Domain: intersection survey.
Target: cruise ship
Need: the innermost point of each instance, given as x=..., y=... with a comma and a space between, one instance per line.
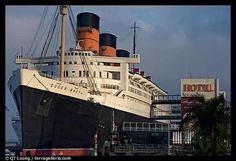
x=65, y=100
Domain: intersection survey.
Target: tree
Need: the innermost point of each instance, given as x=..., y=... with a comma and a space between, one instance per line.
x=210, y=120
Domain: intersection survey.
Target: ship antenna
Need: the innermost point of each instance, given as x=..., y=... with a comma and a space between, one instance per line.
x=63, y=12
x=134, y=42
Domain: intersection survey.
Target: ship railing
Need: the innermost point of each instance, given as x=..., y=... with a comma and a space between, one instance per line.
x=48, y=75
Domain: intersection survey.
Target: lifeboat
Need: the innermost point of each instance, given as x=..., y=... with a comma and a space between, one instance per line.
x=137, y=77
x=143, y=81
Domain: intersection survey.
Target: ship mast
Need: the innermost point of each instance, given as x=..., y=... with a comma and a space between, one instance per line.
x=63, y=12
x=134, y=42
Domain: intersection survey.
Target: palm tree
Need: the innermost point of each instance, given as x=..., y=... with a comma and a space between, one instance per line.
x=210, y=119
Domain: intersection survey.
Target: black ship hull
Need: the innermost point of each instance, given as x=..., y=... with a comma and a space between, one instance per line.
x=51, y=120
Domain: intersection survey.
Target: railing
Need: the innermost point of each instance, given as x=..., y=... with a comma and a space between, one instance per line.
x=181, y=150
x=149, y=127
x=166, y=117
x=166, y=99
x=140, y=148
x=48, y=76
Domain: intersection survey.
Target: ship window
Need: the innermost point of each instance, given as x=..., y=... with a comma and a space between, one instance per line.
x=87, y=73
x=75, y=62
x=72, y=54
x=79, y=54
x=68, y=54
x=80, y=73
x=85, y=54
x=76, y=53
x=88, y=54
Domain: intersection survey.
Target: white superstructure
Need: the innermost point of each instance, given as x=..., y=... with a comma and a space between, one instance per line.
x=101, y=79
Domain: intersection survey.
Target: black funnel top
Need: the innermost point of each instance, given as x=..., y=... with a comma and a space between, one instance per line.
x=122, y=53
x=87, y=19
x=106, y=39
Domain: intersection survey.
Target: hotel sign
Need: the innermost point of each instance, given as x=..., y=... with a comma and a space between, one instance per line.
x=209, y=88
x=198, y=87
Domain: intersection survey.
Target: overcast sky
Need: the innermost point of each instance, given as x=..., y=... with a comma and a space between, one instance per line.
x=174, y=41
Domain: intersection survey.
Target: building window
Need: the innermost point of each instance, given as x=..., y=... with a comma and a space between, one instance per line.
x=58, y=63
x=72, y=54
x=75, y=62
x=79, y=54
x=65, y=62
x=88, y=54
x=68, y=54
x=76, y=53
x=82, y=54
x=65, y=54
x=82, y=62
x=91, y=63
x=94, y=74
x=73, y=71
x=83, y=73
x=85, y=54
x=70, y=62
x=98, y=63
x=51, y=72
x=80, y=73
x=107, y=75
x=100, y=74
x=67, y=73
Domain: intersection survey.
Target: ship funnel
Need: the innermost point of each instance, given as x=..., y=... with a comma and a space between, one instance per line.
x=122, y=53
x=88, y=31
x=107, y=45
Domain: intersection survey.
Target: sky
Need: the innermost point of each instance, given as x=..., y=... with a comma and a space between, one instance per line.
x=174, y=42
